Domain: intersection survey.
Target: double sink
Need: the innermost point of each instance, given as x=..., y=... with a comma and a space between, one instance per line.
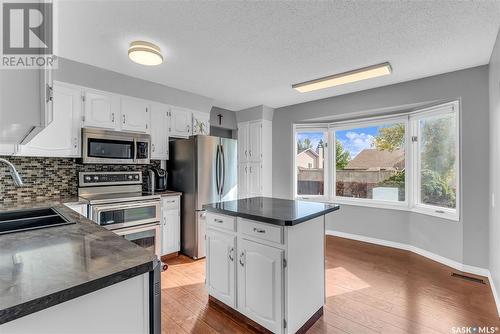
x=31, y=219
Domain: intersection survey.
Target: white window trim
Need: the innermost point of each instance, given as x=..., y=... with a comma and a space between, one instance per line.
x=412, y=189
x=311, y=128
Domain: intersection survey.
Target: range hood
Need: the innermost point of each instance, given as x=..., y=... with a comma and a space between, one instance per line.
x=25, y=104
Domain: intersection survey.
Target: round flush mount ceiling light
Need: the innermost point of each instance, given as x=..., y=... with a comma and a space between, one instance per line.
x=145, y=53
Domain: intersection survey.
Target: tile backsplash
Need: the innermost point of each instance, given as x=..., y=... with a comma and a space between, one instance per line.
x=50, y=178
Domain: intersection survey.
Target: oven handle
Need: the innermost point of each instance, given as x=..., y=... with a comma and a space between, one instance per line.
x=135, y=229
x=126, y=205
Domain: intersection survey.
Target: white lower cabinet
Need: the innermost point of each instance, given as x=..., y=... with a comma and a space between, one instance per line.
x=170, y=225
x=260, y=283
x=220, y=272
x=272, y=274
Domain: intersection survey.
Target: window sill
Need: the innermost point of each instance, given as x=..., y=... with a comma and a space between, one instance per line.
x=429, y=211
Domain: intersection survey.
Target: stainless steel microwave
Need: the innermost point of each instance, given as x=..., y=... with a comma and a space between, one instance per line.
x=115, y=147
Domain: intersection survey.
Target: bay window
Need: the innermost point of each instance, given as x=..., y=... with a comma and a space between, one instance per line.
x=403, y=162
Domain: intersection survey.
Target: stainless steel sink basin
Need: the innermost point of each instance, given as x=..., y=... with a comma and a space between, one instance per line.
x=30, y=219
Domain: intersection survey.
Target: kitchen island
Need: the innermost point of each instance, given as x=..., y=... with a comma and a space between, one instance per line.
x=266, y=261
x=78, y=277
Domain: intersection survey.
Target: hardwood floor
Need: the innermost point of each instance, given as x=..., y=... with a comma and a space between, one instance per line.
x=370, y=289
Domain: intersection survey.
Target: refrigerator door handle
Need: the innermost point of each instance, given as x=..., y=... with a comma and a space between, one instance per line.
x=223, y=170
x=217, y=181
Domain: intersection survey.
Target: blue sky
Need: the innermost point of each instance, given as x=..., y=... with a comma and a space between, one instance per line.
x=353, y=140
x=356, y=140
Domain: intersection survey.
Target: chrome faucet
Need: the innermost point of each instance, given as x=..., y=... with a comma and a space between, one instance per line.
x=13, y=173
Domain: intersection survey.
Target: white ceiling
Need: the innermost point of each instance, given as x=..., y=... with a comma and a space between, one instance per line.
x=243, y=54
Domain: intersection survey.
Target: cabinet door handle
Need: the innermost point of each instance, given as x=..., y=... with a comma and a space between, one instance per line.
x=153, y=147
x=259, y=230
x=241, y=259
x=113, y=117
x=231, y=252
x=250, y=152
x=187, y=127
x=246, y=170
x=246, y=153
x=123, y=119
x=75, y=142
x=250, y=169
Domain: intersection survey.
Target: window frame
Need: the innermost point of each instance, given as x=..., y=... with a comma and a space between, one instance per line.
x=417, y=205
x=412, y=162
x=364, y=123
x=298, y=128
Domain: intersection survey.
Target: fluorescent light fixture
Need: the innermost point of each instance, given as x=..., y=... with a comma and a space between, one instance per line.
x=343, y=78
x=145, y=53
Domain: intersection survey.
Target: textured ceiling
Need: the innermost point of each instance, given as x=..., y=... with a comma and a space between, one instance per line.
x=243, y=54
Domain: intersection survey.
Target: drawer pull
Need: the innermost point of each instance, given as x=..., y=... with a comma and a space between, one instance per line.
x=220, y=221
x=258, y=230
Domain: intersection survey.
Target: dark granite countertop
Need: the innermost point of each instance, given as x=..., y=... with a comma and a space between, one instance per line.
x=42, y=268
x=275, y=211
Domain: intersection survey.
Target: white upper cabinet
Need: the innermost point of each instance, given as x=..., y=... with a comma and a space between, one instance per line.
x=255, y=153
x=134, y=115
x=160, y=123
x=220, y=270
x=61, y=138
x=243, y=130
x=201, y=123
x=260, y=283
x=102, y=109
x=180, y=122
x=255, y=141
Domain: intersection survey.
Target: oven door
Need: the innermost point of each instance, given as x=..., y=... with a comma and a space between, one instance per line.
x=145, y=236
x=115, y=216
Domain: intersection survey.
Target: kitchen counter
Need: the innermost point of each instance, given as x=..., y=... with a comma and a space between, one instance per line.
x=45, y=267
x=275, y=211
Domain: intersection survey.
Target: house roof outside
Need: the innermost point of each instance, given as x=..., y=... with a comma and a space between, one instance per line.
x=373, y=159
x=309, y=150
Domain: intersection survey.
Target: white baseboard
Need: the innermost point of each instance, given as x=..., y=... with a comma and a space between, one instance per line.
x=494, y=290
x=435, y=257
x=438, y=258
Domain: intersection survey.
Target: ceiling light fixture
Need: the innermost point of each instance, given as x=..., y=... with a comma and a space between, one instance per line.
x=343, y=78
x=145, y=53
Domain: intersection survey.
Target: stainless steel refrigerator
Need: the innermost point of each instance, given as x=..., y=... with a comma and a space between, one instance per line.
x=205, y=170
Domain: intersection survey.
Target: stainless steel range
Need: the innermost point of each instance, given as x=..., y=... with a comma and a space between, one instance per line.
x=116, y=202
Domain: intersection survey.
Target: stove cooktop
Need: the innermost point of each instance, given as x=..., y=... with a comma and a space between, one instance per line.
x=119, y=197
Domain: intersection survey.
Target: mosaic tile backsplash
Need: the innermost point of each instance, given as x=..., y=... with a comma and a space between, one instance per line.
x=50, y=178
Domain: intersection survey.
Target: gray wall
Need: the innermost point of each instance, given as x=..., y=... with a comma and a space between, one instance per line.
x=494, y=77
x=255, y=113
x=464, y=241
x=228, y=119
x=98, y=78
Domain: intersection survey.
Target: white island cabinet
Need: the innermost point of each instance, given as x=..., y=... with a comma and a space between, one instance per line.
x=273, y=272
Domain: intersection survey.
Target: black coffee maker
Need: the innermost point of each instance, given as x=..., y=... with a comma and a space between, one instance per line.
x=158, y=178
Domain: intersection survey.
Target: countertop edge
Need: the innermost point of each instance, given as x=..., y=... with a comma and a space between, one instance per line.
x=271, y=220
x=18, y=311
